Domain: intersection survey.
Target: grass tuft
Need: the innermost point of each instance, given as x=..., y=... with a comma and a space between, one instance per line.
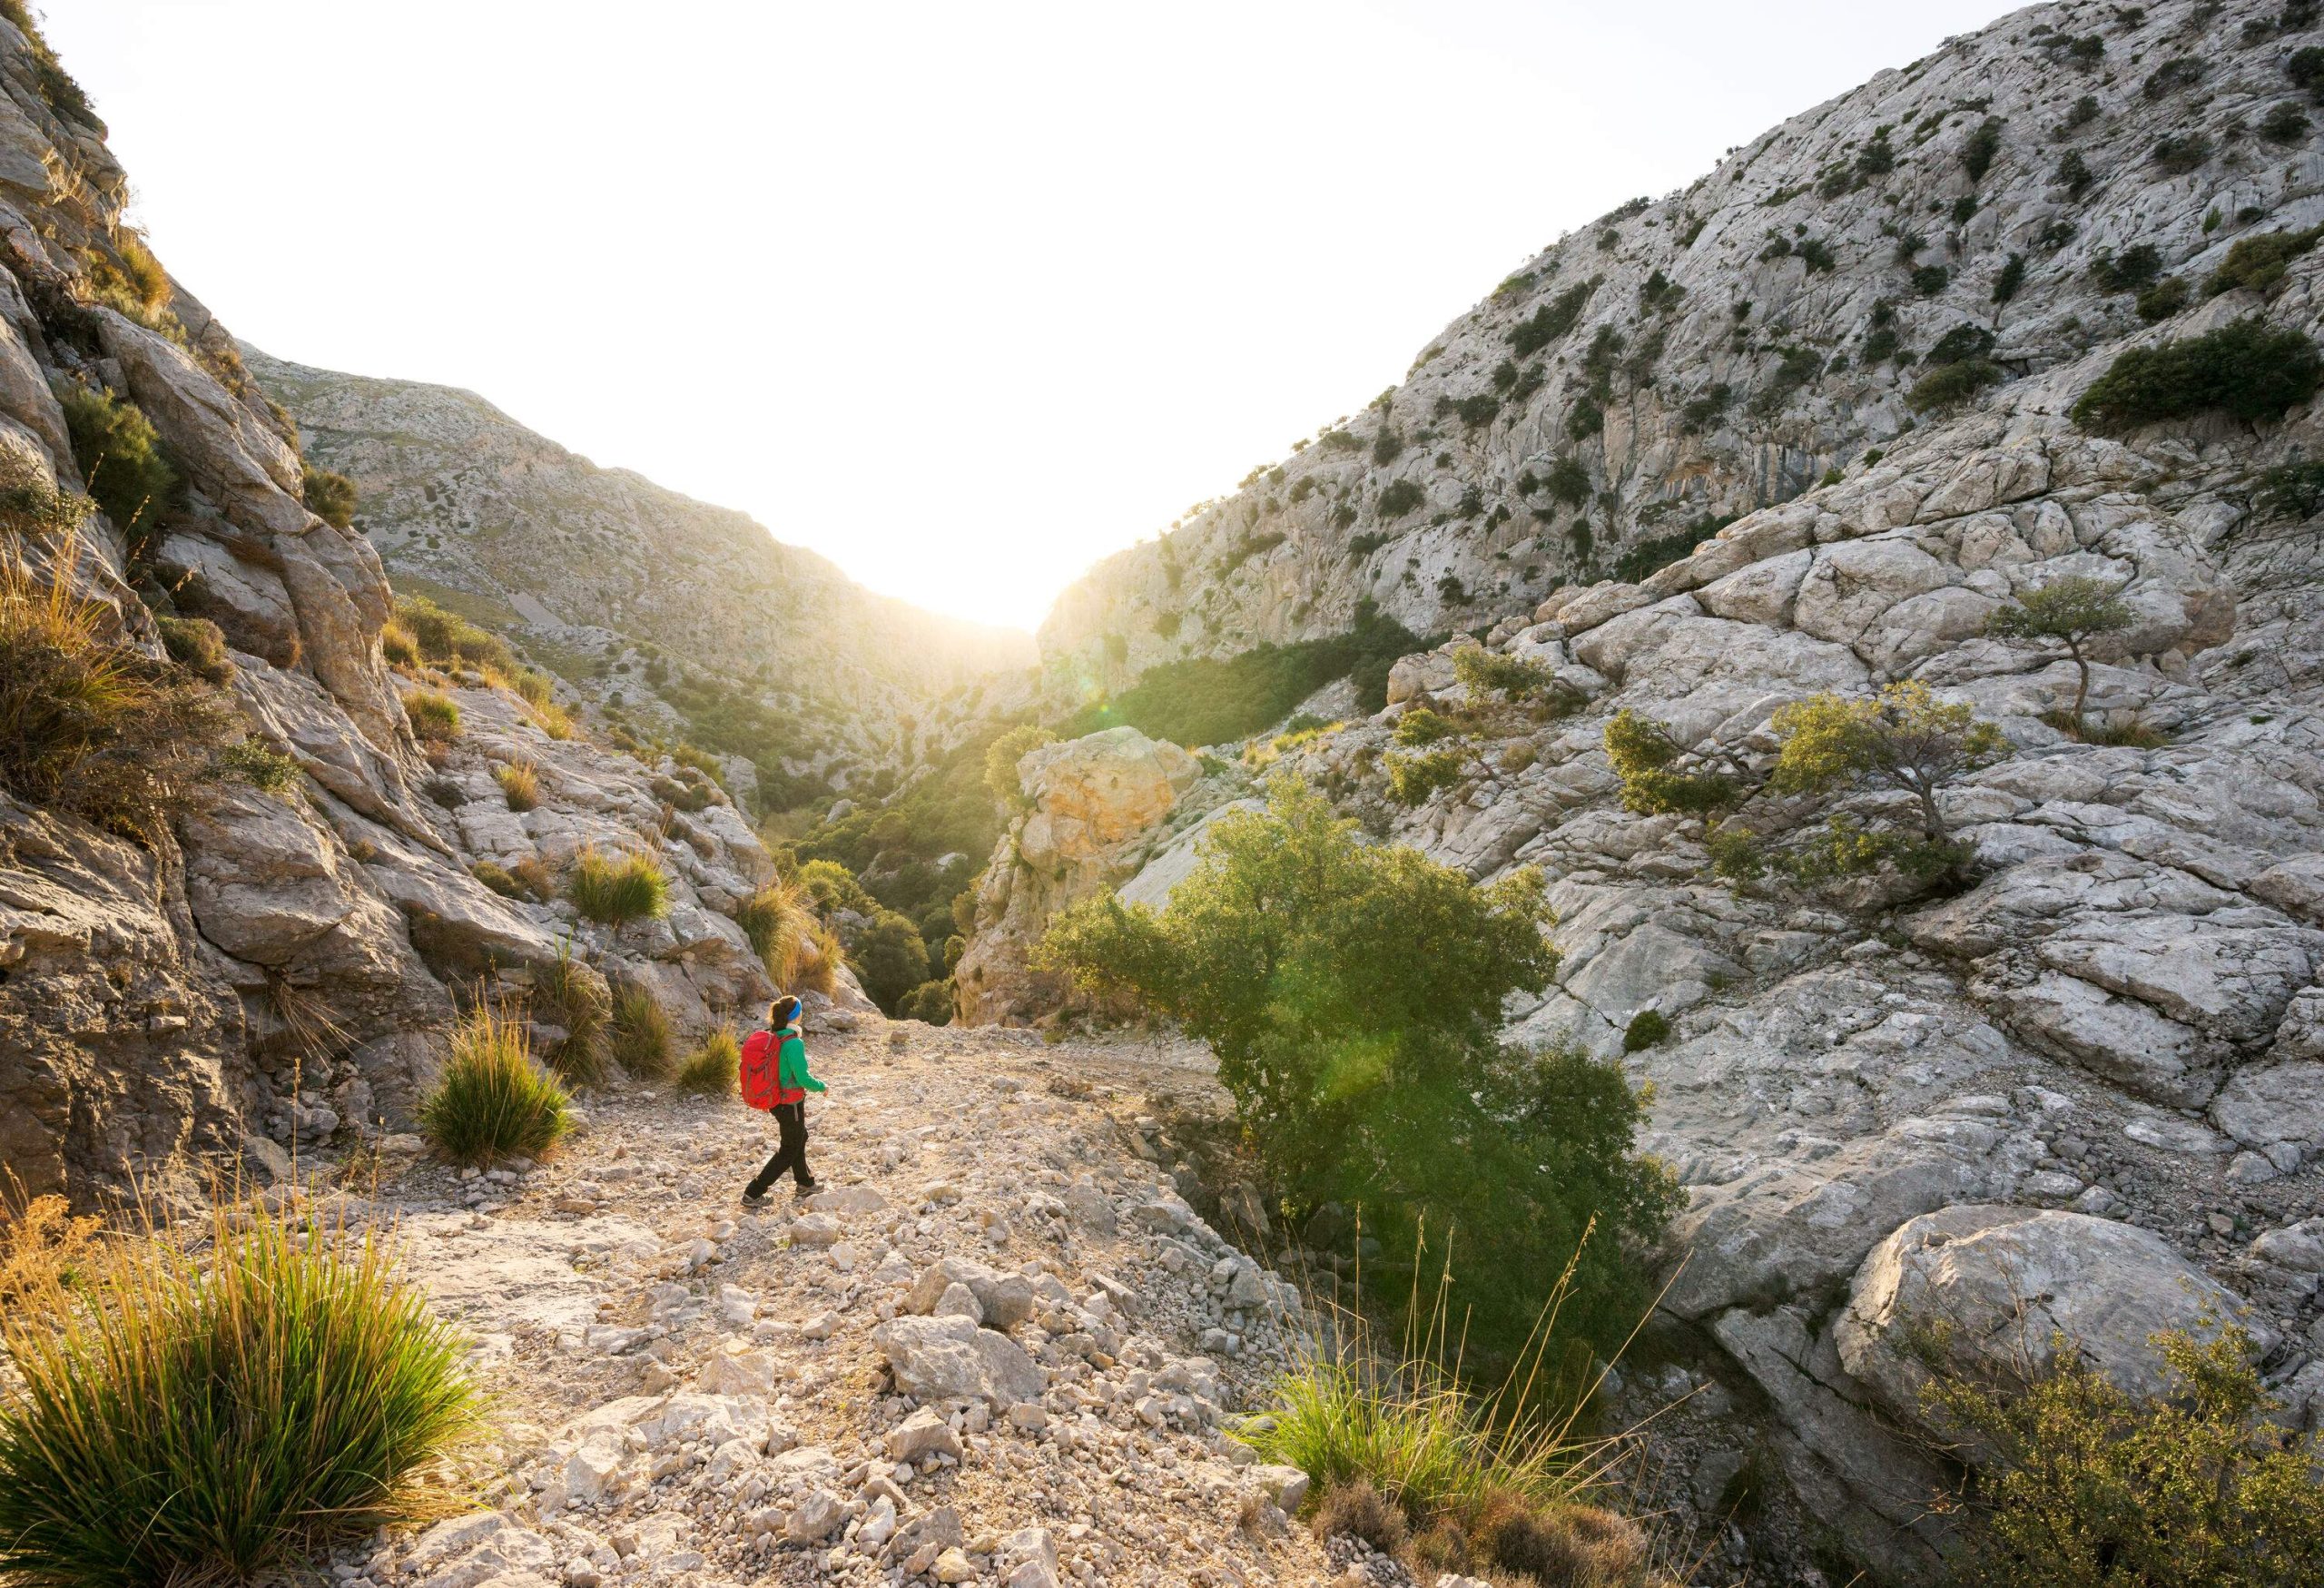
x=520, y=784
x=616, y=889
x=493, y=1101
x=711, y=1070
x=781, y=925
x=206, y=1407
x=571, y=995
x=435, y=717
x=641, y=1034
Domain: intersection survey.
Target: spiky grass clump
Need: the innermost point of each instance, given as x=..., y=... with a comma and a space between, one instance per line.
x=89, y=723
x=617, y=888
x=641, y=1034
x=709, y=1070
x=827, y=955
x=520, y=784
x=399, y=647
x=42, y=1245
x=493, y=1101
x=435, y=715
x=781, y=928
x=574, y=997
x=1497, y=1482
x=192, y=1411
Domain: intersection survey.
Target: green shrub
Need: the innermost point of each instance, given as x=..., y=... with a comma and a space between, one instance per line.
x=330, y=496
x=497, y=877
x=1961, y=343
x=1928, y=280
x=1552, y=320
x=198, y=645
x=1419, y=727
x=2179, y=72
x=210, y=1406
x=2081, y=1482
x=1400, y=498
x=1353, y=1061
x=2166, y=298
x=265, y=769
x=1000, y=758
x=930, y=1001
x=2285, y=123
x=889, y=958
x=2177, y=154
x=2305, y=68
x=2260, y=262
x=712, y=1069
x=2292, y=490
x=2132, y=269
x=2011, y=278
x=121, y=457
x=1644, y=753
x=434, y=716
x=90, y=725
x=1412, y=779
x=1702, y=409
x=1656, y=552
x=2249, y=368
x=1951, y=384
x=1646, y=1027
x=615, y=890
x=641, y=1041
x=1514, y=678
x=1977, y=154
x=2075, y=174
x=492, y=1101
x=2073, y=610
x=1359, y=546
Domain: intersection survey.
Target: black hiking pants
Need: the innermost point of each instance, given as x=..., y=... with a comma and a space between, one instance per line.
x=790, y=1121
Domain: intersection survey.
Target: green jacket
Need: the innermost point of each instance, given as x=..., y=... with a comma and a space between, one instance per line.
x=791, y=1064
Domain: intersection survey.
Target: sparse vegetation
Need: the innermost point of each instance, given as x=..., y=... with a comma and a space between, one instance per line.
x=1977, y=154
x=1514, y=678
x=209, y=1406
x=617, y=888
x=1646, y=1027
x=1401, y=497
x=1552, y=320
x=88, y=724
x=1661, y=778
x=2166, y=298
x=492, y=1101
x=1000, y=758
x=1950, y=385
x=2177, y=154
x=2073, y=172
x=1412, y=779
x=2249, y=368
x=265, y=769
x=2081, y=1482
x=712, y=1069
x=1659, y=551
x=2292, y=490
x=198, y=645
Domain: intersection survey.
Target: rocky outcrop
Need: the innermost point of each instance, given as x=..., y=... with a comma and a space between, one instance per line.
x=1092, y=806
x=281, y=965
x=642, y=598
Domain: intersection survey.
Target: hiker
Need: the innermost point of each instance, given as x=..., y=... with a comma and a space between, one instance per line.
x=775, y=1076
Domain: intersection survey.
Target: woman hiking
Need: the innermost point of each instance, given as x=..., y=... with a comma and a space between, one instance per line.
x=775, y=1076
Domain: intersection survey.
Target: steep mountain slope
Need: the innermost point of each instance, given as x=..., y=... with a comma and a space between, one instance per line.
x=271, y=948
x=682, y=616
x=2071, y=1086
x=1686, y=359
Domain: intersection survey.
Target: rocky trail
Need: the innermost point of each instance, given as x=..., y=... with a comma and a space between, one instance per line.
x=997, y=1347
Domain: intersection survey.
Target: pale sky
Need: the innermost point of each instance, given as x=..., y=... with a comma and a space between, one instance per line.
x=963, y=296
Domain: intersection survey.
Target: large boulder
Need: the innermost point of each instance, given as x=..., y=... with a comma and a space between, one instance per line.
x=1991, y=1294
x=1094, y=804
x=940, y=1358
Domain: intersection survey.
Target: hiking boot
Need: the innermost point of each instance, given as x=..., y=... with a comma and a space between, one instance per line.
x=807, y=1191
x=754, y=1200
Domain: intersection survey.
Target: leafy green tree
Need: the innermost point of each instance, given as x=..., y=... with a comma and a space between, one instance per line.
x=891, y=958
x=2082, y=1485
x=1000, y=758
x=1648, y=761
x=2073, y=610
x=1353, y=993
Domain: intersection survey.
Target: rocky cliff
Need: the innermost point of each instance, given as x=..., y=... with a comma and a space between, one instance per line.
x=2083, y=1075
x=276, y=958
x=2007, y=202
x=686, y=618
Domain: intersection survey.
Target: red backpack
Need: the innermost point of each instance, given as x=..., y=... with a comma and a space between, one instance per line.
x=762, y=1069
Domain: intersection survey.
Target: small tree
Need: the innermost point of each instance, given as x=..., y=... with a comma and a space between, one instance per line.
x=1835, y=750
x=2074, y=611
x=1645, y=756
x=1353, y=994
